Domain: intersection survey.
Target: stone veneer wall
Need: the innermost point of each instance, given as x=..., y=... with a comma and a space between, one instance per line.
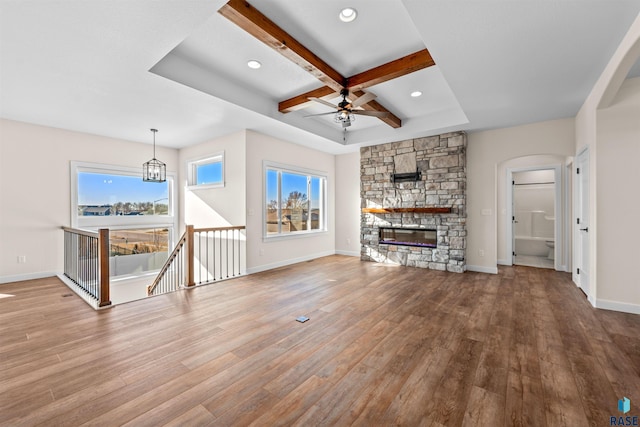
x=442, y=162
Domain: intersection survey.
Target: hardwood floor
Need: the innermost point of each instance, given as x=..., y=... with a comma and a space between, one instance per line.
x=384, y=346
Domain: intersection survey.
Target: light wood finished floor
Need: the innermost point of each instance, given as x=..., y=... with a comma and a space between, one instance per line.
x=384, y=346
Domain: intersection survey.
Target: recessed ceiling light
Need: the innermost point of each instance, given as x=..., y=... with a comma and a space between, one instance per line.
x=254, y=64
x=416, y=94
x=348, y=14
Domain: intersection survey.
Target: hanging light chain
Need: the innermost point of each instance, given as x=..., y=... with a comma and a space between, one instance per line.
x=154, y=142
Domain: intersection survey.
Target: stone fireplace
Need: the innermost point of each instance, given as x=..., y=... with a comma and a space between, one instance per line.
x=413, y=202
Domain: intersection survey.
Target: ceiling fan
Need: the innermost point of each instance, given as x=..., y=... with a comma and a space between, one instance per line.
x=346, y=109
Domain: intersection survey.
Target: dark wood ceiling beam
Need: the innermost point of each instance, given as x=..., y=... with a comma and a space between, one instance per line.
x=391, y=70
x=255, y=23
x=258, y=25
x=385, y=72
x=390, y=119
x=302, y=101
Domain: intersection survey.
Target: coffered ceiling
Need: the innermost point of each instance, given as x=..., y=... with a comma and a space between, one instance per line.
x=120, y=68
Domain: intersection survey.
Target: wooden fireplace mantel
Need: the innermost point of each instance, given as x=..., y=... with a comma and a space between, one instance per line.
x=407, y=210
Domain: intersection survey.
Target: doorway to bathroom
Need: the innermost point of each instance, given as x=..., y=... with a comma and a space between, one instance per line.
x=534, y=223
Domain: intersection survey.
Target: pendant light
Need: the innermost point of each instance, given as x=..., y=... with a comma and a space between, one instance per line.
x=154, y=170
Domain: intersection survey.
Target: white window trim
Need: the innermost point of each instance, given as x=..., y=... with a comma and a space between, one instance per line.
x=191, y=171
x=121, y=222
x=267, y=164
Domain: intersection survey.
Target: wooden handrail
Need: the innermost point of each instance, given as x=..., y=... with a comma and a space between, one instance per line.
x=81, y=232
x=234, y=227
x=167, y=263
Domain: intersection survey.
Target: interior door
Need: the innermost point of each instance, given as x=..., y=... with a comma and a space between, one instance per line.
x=582, y=225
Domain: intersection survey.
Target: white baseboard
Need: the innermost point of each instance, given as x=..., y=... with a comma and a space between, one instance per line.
x=347, y=253
x=481, y=269
x=28, y=276
x=505, y=262
x=265, y=267
x=617, y=306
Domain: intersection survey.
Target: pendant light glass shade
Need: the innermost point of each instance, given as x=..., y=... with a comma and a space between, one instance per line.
x=154, y=170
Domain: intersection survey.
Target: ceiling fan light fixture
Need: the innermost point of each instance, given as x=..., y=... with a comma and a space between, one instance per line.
x=416, y=94
x=348, y=14
x=344, y=117
x=253, y=64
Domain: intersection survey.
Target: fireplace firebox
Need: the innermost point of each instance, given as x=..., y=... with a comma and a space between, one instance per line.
x=421, y=237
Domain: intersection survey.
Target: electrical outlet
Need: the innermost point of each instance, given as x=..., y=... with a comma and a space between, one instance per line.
x=261, y=252
x=348, y=241
x=481, y=252
x=22, y=259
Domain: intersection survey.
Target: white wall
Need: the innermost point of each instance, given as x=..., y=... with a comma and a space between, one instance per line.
x=263, y=255
x=485, y=151
x=348, y=204
x=618, y=207
x=601, y=97
x=35, y=193
x=216, y=207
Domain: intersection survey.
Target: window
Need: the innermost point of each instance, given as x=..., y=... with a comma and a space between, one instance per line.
x=295, y=201
x=139, y=215
x=207, y=172
x=102, y=193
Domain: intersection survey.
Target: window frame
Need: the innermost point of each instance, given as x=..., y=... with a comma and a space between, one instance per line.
x=310, y=173
x=169, y=221
x=192, y=170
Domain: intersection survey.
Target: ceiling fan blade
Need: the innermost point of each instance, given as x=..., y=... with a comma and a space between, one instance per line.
x=320, y=114
x=363, y=99
x=323, y=102
x=371, y=113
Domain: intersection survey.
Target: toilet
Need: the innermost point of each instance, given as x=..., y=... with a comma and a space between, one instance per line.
x=551, y=245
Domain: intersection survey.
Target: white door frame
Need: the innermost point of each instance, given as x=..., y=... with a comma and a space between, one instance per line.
x=578, y=236
x=558, y=207
x=569, y=191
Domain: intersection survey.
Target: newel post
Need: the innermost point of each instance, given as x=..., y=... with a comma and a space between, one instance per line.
x=189, y=257
x=103, y=259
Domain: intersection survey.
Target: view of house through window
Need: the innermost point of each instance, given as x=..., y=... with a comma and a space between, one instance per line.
x=138, y=214
x=107, y=194
x=295, y=201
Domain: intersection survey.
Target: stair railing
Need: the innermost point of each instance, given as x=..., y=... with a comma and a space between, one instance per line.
x=173, y=273
x=212, y=253
x=86, y=262
x=218, y=252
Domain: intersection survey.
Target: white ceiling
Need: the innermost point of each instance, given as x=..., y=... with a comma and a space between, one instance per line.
x=119, y=68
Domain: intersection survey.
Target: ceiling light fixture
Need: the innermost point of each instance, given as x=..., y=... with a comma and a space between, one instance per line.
x=348, y=14
x=416, y=94
x=253, y=64
x=154, y=170
x=344, y=117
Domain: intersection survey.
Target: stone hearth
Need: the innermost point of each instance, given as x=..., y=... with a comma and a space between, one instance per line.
x=441, y=172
